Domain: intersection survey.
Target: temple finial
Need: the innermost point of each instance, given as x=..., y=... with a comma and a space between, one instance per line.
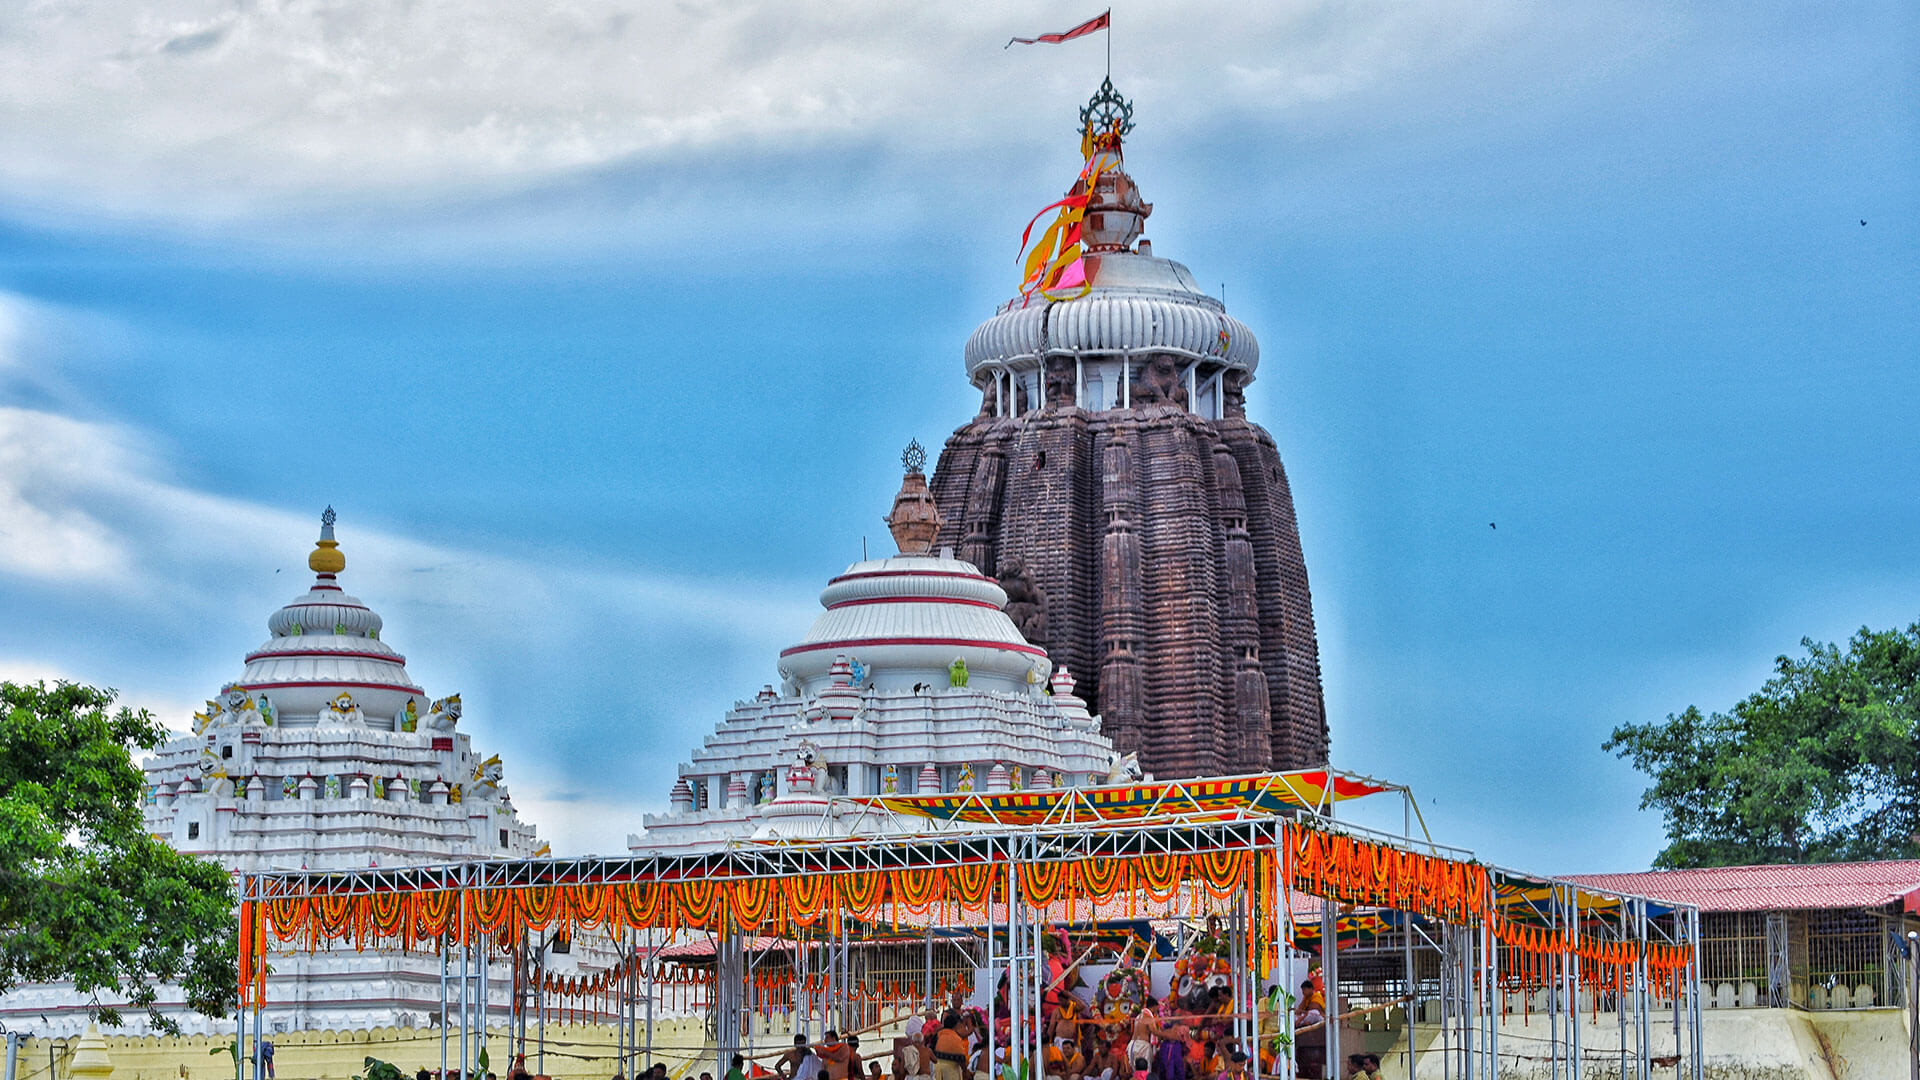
x=1106, y=115
x=326, y=557
x=915, y=521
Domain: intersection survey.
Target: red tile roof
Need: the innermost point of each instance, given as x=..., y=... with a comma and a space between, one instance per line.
x=1772, y=888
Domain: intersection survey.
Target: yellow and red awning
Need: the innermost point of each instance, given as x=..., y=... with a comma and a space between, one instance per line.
x=1235, y=796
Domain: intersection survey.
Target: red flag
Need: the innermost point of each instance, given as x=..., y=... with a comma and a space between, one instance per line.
x=1102, y=21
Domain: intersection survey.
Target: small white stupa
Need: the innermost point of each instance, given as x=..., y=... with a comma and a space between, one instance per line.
x=913, y=680
x=324, y=754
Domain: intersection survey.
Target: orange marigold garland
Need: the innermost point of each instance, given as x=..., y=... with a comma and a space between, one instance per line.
x=1224, y=872
x=388, y=913
x=752, y=899
x=1040, y=882
x=1102, y=878
x=860, y=893
x=287, y=915
x=919, y=888
x=589, y=905
x=1350, y=870
x=1159, y=875
x=972, y=883
x=698, y=902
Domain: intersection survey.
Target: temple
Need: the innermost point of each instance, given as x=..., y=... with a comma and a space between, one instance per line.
x=1141, y=525
x=914, y=679
x=323, y=754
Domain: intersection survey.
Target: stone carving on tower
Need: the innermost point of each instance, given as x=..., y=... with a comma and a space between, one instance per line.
x=1141, y=525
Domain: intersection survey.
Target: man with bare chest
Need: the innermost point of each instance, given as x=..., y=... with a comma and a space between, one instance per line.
x=1146, y=1029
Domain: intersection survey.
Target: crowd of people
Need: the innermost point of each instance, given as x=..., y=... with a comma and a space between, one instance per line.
x=1116, y=1030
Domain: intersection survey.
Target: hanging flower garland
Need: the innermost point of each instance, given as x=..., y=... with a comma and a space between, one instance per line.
x=1347, y=869
x=699, y=902
x=1159, y=875
x=919, y=888
x=589, y=905
x=1040, y=882
x=750, y=902
x=1101, y=879
x=807, y=896
x=972, y=883
x=1224, y=872
x=860, y=893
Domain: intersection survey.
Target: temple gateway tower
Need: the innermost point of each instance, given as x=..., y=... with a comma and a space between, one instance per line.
x=1142, y=528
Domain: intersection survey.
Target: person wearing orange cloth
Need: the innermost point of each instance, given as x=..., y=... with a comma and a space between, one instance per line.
x=951, y=1047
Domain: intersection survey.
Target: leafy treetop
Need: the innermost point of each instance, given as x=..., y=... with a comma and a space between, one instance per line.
x=85, y=893
x=1821, y=764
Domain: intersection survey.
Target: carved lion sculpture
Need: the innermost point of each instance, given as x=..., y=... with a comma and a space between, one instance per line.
x=342, y=711
x=444, y=714
x=213, y=775
x=1125, y=769
x=489, y=772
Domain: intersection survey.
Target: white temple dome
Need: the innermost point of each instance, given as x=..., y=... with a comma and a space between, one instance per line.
x=327, y=643
x=906, y=619
x=1138, y=304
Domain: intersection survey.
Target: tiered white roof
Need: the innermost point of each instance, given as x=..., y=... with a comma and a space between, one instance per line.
x=912, y=679
x=324, y=754
x=1136, y=304
x=908, y=618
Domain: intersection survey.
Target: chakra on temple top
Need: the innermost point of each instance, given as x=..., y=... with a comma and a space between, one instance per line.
x=327, y=516
x=1106, y=112
x=914, y=457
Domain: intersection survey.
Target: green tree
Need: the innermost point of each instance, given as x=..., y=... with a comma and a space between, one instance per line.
x=1821, y=764
x=85, y=893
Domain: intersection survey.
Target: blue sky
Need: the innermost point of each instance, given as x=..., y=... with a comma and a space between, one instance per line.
x=602, y=327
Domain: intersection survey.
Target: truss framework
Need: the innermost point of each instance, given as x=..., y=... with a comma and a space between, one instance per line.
x=1010, y=930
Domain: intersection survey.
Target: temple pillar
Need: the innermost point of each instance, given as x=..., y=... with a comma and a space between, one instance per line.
x=1121, y=618
x=1240, y=625
x=983, y=504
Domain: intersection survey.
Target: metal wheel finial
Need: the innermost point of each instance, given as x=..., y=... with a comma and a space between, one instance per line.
x=1106, y=112
x=914, y=457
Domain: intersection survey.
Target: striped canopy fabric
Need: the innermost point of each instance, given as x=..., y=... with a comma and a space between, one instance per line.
x=1228, y=797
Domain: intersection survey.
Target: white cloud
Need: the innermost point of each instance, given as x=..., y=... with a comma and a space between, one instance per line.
x=201, y=108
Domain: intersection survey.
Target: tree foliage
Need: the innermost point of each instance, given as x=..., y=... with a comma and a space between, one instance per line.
x=1821, y=764
x=85, y=893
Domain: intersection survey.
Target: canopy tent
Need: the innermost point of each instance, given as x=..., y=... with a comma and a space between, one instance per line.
x=1016, y=864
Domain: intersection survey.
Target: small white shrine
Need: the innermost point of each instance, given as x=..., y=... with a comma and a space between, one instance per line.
x=912, y=680
x=323, y=754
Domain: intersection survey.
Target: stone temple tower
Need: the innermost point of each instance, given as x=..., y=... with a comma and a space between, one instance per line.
x=1141, y=526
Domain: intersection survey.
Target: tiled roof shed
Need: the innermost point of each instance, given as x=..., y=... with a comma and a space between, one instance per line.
x=1777, y=887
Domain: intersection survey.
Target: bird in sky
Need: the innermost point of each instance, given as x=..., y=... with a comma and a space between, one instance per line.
x=1491, y=525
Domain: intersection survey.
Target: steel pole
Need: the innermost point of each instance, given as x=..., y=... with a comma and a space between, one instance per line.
x=443, y=1006
x=485, y=1003
x=652, y=952
x=1570, y=907
x=1330, y=974
x=993, y=986
x=1912, y=989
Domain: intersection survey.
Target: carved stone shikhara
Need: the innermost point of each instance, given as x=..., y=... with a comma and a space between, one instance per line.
x=1141, y=526
x=1162, y=551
